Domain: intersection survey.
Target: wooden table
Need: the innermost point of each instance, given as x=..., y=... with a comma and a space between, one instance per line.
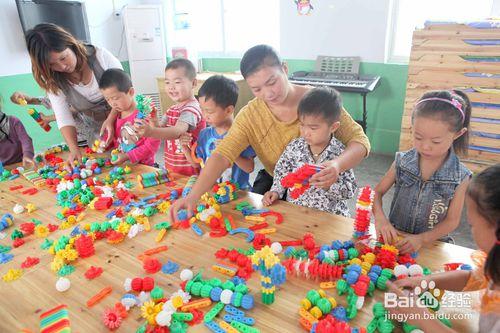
x=23, y=300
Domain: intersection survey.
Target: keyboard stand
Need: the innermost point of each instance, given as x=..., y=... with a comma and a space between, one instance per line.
x=362, y=122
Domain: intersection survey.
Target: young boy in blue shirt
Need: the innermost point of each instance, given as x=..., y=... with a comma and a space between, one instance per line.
x=217, y=97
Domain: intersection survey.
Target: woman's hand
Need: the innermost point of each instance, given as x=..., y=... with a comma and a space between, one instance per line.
x=269, y=198
x=73, y=155
x=326, y=177
x=188, y=203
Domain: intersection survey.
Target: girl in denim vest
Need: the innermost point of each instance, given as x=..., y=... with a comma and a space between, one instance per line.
x=429, y=180
x=483, y=214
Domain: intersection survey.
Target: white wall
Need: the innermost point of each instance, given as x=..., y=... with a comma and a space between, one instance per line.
x=335, y=28
x=106, y=30
x=495, y=10
x=14, y=58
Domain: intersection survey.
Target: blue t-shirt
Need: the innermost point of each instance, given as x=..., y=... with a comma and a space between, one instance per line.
x=206, y=144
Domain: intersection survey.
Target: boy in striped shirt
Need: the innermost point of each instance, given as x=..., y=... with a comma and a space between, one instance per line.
x=182, y=117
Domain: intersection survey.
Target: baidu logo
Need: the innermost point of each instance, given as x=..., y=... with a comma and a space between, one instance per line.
x=426, y=297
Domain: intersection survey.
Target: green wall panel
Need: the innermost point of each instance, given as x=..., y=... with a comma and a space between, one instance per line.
x=385, y=104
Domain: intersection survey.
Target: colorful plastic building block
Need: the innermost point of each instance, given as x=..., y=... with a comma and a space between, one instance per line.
x=36, y=116
x=99, y=296
x=363, y=212
x=55, y=320
x=225, y=192
x=272, y=272
x=6, y=221
x=298, y=181
x=153, y=178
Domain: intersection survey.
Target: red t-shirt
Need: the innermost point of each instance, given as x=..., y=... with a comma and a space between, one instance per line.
x=175, y=160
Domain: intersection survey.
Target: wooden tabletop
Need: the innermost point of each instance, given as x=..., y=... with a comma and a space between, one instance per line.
x=22, y=301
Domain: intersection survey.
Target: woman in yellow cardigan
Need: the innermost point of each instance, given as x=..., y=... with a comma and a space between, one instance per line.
x=268, y=123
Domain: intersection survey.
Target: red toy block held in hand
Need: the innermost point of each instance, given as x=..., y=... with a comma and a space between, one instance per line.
x=298, y=181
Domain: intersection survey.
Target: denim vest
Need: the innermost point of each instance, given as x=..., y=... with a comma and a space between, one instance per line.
x=417, y=205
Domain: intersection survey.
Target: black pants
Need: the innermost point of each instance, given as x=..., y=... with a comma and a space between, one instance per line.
x=262, y=183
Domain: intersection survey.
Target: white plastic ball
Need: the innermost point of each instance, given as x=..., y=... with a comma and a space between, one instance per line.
x=225, y=296
x=18, y=209
x=163, y=318
x=63, y=284
x=416, y=270
x=276, y=248
x=186, y=274
x=400, y=270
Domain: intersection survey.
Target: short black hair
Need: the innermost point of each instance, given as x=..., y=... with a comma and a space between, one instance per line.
x=115, y=77
x=323, y=101
x=188, y=66
x=257, y=57
x=222, y=90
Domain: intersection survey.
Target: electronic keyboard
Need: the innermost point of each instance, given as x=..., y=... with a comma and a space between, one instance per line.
x=339, y=81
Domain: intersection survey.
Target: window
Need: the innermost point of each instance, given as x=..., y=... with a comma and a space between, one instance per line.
x=410, y=14
x=227, y=28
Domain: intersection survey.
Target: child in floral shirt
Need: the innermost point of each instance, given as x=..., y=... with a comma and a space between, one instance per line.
x=319, y=113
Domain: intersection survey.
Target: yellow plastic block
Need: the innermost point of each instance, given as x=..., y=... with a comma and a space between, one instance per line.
x=266, y=231
x=30, y=207
x=160, y=235
x=224, y=270
x=327, y=285
x=177, y=301
x=254, y=218
x=228, y=328
x=12, y=274
x=305, y=303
